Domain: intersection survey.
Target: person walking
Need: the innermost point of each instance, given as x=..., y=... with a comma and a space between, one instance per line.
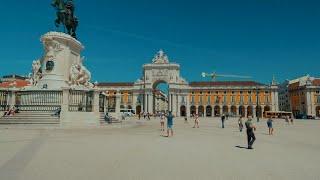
x=169, y=124
x=287, y=120
x=162, y=122
x=270, y=126
x=240, y=123
x=148, y=116
x=291, y=120
x=196, y=121
x=186, y=120
x=223, y=118
x=250, y=132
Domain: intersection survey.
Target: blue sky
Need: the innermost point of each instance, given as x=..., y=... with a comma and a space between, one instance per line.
x=259, y=38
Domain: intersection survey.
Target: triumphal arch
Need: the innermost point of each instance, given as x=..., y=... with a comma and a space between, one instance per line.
x=161, y=70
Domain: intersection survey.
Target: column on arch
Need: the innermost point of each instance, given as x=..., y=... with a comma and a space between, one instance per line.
x=174, y=104
x=187, y=98
x=179, y=104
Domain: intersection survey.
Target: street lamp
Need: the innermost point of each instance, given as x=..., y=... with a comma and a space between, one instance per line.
x=258, y=110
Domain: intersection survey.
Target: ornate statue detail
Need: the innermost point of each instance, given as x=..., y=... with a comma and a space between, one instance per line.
x=160, y=58
x=65, y=16
x=36, y=72
x=49, y=65
x=79, y=75
x=52, y=48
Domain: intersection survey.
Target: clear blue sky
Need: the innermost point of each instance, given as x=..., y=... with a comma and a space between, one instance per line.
x=258, y=38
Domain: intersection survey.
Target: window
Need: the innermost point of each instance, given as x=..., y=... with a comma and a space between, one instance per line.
x=208, y=99
x=267, y=99
x=192, y=99
x=224, y=99
x=318, y=99
x=241, y=99
x=182, y=100
x=122, y=99
x=250, y=99
x=232, y=99
x=216, y=99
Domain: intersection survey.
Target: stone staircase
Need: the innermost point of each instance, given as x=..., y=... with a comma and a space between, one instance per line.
x=113, y=120
x=30, y=117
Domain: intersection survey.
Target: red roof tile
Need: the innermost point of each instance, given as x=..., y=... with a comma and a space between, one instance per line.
x=225, y=83
x=18, y=84
x=115, y=84
x=316, y=82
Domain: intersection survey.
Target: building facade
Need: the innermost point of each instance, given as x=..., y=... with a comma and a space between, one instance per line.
x=238, y=98
x=284, y=101
x=304, y=96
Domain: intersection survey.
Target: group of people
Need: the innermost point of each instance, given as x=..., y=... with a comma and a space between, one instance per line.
x=248, y=124
x=11, y=111
x=145, y=115
x=169, y=118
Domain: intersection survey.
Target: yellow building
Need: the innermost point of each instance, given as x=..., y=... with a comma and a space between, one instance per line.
x=304, y=96
x=237, y=98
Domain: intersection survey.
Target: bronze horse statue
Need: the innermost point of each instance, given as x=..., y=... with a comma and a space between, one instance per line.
x=65, y=16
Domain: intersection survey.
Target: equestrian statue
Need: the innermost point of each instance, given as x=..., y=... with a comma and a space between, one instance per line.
x=65, y=16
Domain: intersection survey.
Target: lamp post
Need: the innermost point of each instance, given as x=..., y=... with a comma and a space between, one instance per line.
x=258, y=110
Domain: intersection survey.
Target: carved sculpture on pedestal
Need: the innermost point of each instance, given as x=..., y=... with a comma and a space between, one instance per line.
x=36, y=72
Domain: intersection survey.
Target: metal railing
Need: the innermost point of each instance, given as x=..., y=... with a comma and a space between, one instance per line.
x=3, y=100
x=38, y=100
x=80, y=101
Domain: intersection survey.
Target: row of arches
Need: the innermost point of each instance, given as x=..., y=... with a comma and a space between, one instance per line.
x=225, y=109
x=233, y=110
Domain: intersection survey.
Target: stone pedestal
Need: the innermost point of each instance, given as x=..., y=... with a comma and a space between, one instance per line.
x=61, y=52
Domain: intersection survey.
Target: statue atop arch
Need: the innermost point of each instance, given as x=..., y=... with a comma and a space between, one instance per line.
x=160, y=58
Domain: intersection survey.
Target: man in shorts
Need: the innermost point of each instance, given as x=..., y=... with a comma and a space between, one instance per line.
x=270, y=126
x=169, y=124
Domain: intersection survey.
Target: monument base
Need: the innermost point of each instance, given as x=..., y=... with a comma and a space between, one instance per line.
x=79, y=119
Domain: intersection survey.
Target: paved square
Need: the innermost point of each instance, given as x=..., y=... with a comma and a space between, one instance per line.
x=137, y=151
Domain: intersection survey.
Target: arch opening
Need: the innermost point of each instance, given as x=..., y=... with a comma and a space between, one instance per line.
x=160, y=97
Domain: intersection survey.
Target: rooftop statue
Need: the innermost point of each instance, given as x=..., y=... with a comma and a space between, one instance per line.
x=65, y=16
x=160, y=58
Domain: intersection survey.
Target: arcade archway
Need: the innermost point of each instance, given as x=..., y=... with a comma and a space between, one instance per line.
x=266, y=109
x=201, y=111
x=183, y=111
x=225, y=110
x=233, y=110
x=138, y=109
x=217, y=111
x=249, y=111
x=318, y=111
x=258, y=111
x=193, y=110
x=209, y=111
x=242, y=111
